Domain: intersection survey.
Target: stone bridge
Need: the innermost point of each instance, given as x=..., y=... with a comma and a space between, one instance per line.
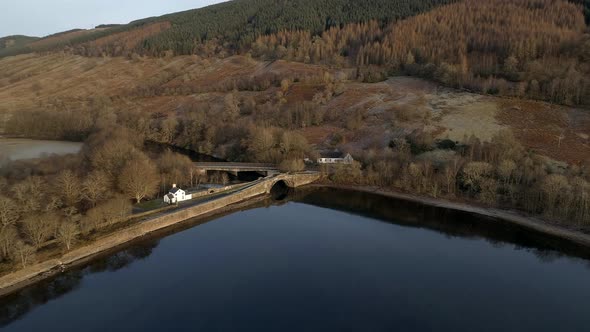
x=235, y=168
x=290, y=180
x=265, y=185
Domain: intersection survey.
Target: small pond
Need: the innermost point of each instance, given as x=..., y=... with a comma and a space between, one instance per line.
x=20, y=148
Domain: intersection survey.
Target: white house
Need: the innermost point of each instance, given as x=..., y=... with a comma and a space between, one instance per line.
x=346, y=160
x=176, y=195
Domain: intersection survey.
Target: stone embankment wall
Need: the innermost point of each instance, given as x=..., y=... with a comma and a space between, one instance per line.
x=211, y=191
x=21, y=278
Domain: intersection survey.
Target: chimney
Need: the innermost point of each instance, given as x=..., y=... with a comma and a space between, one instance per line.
x=174, y=185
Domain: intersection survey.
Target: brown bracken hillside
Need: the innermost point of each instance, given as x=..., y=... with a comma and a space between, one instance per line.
x=317, y=101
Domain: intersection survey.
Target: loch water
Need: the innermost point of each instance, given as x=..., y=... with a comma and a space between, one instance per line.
x=321, y=260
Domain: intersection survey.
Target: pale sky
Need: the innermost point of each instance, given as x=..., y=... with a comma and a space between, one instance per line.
x=43, y=17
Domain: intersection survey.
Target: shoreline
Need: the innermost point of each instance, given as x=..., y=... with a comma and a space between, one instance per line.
x=15, y=281
x=30, y=275
x=512, y=216
x=256, y=192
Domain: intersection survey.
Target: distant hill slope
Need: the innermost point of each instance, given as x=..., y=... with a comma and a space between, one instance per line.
x=238, y=23
x=15, y=41
x=537, y=49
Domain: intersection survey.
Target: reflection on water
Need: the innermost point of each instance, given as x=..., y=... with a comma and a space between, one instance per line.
x=14, y=306
x=17, y=148
x=450, y=222
x=323, y=259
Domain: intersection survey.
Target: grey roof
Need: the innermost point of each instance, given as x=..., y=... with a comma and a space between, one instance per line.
x=170, y=196
x=331, y=154
x=174, y=190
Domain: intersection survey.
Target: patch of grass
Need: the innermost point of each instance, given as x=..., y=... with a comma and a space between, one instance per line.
x=150, y=205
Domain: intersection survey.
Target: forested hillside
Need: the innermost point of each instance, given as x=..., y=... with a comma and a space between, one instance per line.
x=539, y=49
x=236, y=24
x=15, y=41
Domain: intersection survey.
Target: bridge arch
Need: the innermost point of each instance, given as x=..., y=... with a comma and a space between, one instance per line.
x=280, y=189
x=282, y=182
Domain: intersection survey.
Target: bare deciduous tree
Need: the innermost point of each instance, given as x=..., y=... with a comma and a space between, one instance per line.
x=69, y=187
x=39, y=228
x=29, y=193
x=473, y=174
x=292, y=165
x=23, y=253
x=8, y=238
x=9, y=213
x=53, y=203
x=96, y=187
x=66, y=234
x=93, y=219
x=506, y=170
x=139, y=178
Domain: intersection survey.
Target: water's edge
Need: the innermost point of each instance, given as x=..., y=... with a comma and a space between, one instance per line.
x=528, y=222
x=48, y=269
x=14, y=282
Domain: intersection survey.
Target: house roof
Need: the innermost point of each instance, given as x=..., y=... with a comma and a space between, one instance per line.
x=170, y=196
x=174, y=190
x=331, y=154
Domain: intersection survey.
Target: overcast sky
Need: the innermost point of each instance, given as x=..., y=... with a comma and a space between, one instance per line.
x=44, y=17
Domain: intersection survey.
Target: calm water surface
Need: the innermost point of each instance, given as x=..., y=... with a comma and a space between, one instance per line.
x=17, y=148
x=326, y=261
